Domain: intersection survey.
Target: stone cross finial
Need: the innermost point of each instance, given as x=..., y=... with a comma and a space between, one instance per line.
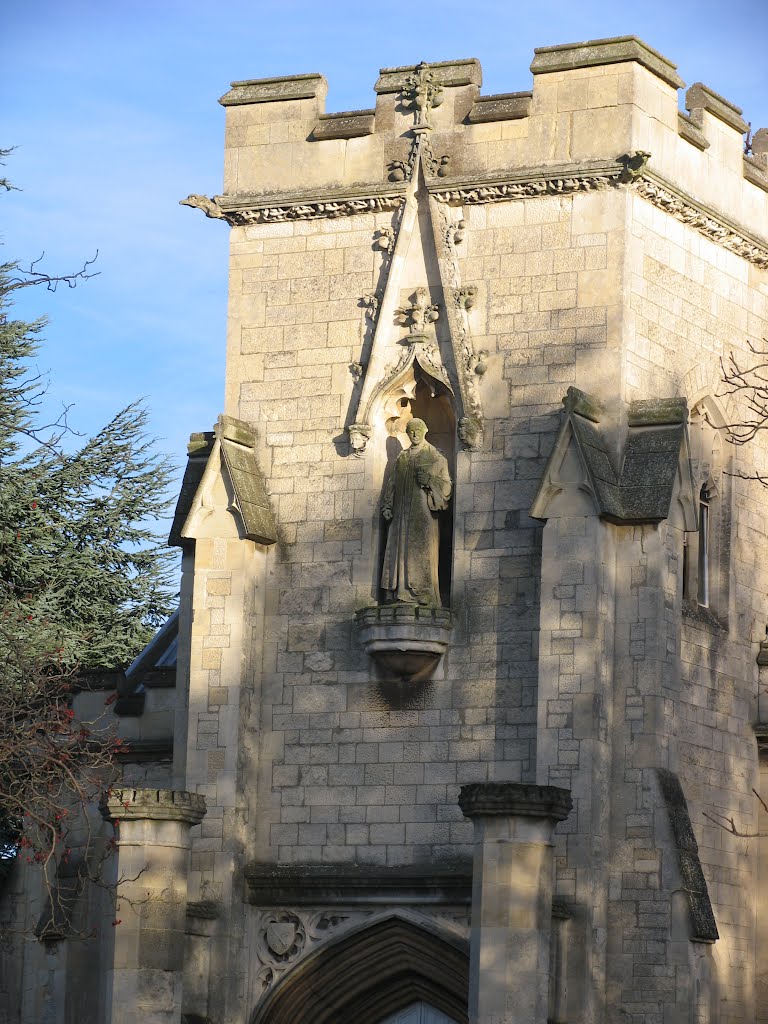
x=422, y=92
x=420, y=313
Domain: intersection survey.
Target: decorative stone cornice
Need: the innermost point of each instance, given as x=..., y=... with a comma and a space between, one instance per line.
x=154, y=804
x=703, y=219
x=598, y=177
x=243, y=209
x=520, y=799
x=570, y=179
x=529, y=184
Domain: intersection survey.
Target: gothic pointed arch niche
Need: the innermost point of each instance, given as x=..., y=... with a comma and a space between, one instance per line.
x=372, y=973
x=418, y=389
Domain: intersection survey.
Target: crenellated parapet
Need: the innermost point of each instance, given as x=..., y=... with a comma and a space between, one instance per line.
x=591, y=104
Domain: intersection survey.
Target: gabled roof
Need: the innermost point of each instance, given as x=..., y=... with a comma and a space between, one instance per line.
x=199, y=448
x=230, y=449
x=632, y=482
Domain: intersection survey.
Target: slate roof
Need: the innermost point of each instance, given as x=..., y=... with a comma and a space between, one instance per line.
x=641, y=490
x=236, y=441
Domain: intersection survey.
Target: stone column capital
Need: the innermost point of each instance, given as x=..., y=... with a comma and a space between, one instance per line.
x=154, y=804
x=515, y=799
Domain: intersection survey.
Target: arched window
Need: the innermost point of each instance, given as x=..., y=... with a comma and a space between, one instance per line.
x=706, y=552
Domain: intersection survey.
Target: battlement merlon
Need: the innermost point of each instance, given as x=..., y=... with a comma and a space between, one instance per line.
x=591, y=103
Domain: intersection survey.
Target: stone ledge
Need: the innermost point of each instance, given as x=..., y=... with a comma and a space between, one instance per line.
x=447, y=73
x=701, y=97
x=154, y=805
x=756, y=172
x=207, y=910
x=508, y=106
x=594, y=52
x=350, y=124
x=276, y=885
x=273, y=90
x=690, y=130
x=145, y=750
x=520, y=799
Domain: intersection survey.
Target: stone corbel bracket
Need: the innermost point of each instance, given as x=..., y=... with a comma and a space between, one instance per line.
x=406, y=641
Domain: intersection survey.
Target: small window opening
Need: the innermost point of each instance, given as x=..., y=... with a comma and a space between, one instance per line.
x=704, y=500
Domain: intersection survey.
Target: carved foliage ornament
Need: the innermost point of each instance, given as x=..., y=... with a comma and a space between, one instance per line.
x=314, y=210
x=422, y=93
x=526, y=189
x=707, y=224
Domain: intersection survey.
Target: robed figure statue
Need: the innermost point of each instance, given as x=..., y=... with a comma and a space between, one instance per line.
x=418, y=488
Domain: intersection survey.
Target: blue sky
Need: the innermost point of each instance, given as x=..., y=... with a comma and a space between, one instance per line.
x=112, y=106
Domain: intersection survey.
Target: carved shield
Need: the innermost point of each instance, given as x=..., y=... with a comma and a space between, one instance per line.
x=281, y=936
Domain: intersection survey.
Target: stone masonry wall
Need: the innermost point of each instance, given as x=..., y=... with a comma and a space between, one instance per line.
x=597, y=285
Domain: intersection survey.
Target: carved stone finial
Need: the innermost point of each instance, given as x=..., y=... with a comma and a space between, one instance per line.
x=371, y=302
x=398, y=170
x=209, y=206
x=465, y=297
x=359, y=435
x=471, y=432
x=384, y=238
x=420, y=313
x=481, y=366
x=633, y=166
x=422, y=93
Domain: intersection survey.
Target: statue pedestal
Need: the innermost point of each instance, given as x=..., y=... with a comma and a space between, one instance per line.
x=406, y=641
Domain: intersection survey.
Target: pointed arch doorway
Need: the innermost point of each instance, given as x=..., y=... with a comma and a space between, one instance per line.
x=374, y=974
x=419, y=1013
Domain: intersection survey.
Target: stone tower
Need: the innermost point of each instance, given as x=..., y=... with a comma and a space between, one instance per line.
x=547, y=279
x=492, y=796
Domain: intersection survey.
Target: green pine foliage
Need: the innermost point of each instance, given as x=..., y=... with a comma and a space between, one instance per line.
x=82, y=569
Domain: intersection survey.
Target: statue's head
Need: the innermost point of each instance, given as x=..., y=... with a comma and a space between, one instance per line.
x=416, y=431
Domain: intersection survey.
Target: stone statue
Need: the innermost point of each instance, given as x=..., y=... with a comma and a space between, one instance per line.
x=418, y=488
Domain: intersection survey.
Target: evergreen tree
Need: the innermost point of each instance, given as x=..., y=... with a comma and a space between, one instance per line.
x=84, y=583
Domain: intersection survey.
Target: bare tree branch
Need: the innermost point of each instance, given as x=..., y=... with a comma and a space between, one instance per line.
x=32, y=276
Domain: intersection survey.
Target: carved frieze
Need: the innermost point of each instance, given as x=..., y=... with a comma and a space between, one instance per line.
x=313, y=210
x=706, y=222
x=539, y=186
x=631, y=172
